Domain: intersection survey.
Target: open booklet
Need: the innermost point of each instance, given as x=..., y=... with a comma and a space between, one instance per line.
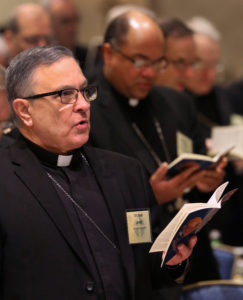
x=187, y=222
x=187, y=159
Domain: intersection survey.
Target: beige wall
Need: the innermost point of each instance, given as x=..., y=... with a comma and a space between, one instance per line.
x=226, y=15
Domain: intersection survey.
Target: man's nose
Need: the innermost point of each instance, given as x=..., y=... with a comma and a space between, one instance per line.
x=189, y=72
x=43, y=41
x=149, y=71
x=81, y=103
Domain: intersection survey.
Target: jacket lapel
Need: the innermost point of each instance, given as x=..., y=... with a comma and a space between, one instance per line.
x=164, y=111
x=127, y=134
x=28, y=169
x=116, y=205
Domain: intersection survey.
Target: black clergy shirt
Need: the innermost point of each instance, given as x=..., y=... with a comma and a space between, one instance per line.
x=142, y=115
x=102, y=258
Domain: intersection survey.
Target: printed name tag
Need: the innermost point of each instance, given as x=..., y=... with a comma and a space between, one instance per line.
x=184, y=143
x=138, y=226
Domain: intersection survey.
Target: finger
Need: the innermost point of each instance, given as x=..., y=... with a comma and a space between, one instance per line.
x=223, y=163
x=192, y=242
x=198, y=176
x=214, y=174
x=160, y=173
x=184, y=175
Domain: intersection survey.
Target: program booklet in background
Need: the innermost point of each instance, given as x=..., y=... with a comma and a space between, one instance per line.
x=204, y=161
x=224, y=136
x=187, y=222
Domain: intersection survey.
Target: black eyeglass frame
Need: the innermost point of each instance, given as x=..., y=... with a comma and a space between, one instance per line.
x=59, y=93
x=135, y=61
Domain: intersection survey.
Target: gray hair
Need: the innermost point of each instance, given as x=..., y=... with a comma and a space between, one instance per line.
x=2, y=78
x=204, y=26
x=46, y=4
x=19, y=73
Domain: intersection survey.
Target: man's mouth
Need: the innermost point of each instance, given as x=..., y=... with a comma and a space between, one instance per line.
x=82, y=124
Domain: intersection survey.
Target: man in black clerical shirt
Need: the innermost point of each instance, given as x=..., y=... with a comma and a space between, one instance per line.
x=64, y=206
x=151, y=123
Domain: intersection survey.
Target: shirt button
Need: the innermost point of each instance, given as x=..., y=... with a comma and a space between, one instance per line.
x=89, y=287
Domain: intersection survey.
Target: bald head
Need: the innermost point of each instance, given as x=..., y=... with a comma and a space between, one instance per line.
x=133, y=53
x=29, y=26
x=132, y=23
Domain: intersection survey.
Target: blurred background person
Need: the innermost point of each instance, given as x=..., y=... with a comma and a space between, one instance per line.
x=212, y=100
x=180, y=52
x=66, y=21
x=5, y=124
x=151, y=123
x=236, y=89
x=28, y=26
x=4, y=50
x=214, y=107
x=94, y=59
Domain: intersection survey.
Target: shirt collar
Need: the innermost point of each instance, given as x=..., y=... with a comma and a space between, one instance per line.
x=50, y=158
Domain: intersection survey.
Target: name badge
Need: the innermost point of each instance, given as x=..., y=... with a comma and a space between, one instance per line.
x=139, y=226
x=184, y=143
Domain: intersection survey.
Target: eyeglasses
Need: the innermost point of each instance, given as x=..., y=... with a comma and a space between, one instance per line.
x=202, y=65
x=70, y=96
x=36, y=39
x=181, y=64
x=142, y=63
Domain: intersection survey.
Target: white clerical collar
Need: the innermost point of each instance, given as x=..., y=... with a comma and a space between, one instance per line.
x=64, y=160
x=133, y=102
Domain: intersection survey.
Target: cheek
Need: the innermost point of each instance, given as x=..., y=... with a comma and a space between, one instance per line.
x=171, y=74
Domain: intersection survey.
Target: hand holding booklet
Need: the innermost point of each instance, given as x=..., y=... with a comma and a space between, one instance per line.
x=186, y=160
x=190, y=219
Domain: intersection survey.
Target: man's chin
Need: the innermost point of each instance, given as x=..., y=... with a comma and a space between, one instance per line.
x=76, y=144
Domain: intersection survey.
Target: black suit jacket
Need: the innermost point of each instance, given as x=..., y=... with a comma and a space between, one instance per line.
x=112, y=130
x=220, y=103
x=235, y=90
x=40, y=254
x=5, y=140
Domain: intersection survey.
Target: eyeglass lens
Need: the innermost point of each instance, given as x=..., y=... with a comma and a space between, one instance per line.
x=71, y=95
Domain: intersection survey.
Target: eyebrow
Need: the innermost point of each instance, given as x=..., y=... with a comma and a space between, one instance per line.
x=146, y=57
x=64, y=87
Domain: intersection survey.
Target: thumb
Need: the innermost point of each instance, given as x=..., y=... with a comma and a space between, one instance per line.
x=160, y=173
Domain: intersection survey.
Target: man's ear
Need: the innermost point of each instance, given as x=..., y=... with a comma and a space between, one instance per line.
x=107, y=52
x=22, y=109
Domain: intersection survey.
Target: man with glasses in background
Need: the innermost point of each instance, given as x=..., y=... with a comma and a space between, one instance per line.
x=179, y=51
x=212, y=100
x=66, y=20
x=152, y=124
x=28, y=26
x=216, y=106
x=64, y=207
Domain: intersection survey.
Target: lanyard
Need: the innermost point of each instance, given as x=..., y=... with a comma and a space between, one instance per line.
x=148, y=146
x=82, y=211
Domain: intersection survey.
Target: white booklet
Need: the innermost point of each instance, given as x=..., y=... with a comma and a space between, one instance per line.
x=187, y=222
